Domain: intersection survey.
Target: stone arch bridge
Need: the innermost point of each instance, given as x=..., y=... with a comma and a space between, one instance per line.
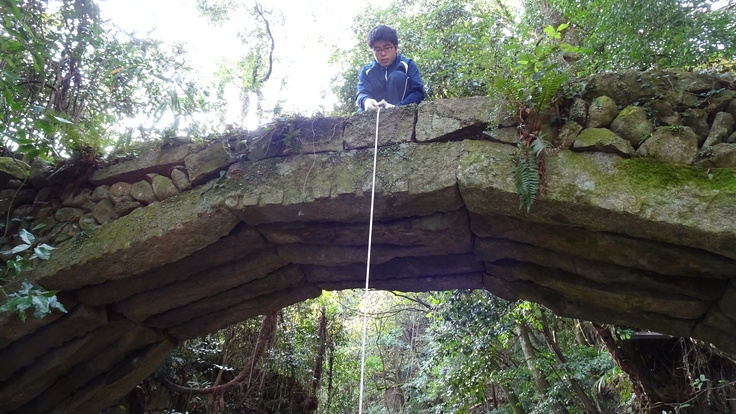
x=616, y=238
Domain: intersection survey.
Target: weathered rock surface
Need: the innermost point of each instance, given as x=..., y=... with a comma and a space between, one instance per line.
x=159, y=162
x=671, y=144
x=602, y=112
x=633, y=125
x=445, y=120
x=602, y=140
x=721, y=129
x=12, y=169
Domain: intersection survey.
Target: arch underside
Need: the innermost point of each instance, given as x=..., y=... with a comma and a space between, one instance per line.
x=280, y=231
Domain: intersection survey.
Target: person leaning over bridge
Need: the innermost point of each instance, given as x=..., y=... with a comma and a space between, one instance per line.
x=391, y=79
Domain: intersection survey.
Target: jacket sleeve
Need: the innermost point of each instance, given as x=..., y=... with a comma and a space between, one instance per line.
x=364, y=89
x=416, y=93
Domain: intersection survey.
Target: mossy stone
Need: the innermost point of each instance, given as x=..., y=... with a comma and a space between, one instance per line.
x=632, y=124
x=602, y=111
x=676, y=144
x=602, y=140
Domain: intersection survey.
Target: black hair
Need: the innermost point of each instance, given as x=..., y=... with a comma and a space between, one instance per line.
x=383, y=32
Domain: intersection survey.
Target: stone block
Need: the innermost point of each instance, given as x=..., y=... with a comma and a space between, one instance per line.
x=602, y=111
x=206, y=283
x=104, y=211
x=412, y=180
x=504, y=135
x=77, y=322
x=697, y=120
x=68, y=214
x=208, y=163
x=618, y=297
x=120, y=191
x=282, y=279
x=159, y=162
x=124, y=208
x=675, y=144
x=604, y=192
x=723, y=126
x=718, y=156
x=162, y=186
x=40, y=172
x=242, y=311
x=599, y=271
x=297, y=135
x=633, y=125
x=602, y=140
x=101, y=193
x=452, y=119
x=12, y=169
x=181, y=179
x=52, y=365
x=663, y=113
x=143, y=192
x=88, y=222
x=396, y=125
x=606, y=247
x=230, y=248
x=145, y=239
x=579, y=111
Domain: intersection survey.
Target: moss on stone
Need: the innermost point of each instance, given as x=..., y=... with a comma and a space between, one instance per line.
x=648, y=173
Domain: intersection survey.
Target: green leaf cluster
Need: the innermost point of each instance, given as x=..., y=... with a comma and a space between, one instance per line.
x=70, y=82
x=41, y=301
x=28, y=296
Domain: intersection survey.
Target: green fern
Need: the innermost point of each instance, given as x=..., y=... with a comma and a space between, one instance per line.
x=528, y=178
x=547, y=88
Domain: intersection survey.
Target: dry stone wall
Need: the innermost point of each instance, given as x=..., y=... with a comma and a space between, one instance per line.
x=636, y=228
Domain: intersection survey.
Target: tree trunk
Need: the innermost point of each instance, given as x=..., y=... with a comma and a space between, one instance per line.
x=542, y=385
x=560, y=358
x=318, y=363
x=510, y=394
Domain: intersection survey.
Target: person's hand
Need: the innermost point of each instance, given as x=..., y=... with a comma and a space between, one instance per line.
x=385, y=104
x=370, y=104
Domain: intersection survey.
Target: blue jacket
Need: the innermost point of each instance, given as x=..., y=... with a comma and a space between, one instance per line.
x=373, y=79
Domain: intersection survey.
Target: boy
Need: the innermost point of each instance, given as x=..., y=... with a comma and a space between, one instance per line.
x=390, y=79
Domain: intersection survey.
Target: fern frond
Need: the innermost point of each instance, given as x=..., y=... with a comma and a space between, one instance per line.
x=548, y=86
x=526, y=176
x=540, y=144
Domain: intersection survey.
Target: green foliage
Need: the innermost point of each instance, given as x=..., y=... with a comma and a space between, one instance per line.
x=69, y=81
x=28, y=295
x=637, y=34
x=527, y=174
x=41, y=301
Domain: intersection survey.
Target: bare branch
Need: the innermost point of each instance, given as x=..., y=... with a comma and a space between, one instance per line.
x=259, y=10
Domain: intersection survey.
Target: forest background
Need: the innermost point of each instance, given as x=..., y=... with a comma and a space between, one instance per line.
x=76, y=88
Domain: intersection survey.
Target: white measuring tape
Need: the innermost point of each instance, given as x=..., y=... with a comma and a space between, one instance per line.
x=368, y=268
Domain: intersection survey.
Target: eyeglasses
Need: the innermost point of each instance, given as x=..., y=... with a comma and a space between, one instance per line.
x=385, y=49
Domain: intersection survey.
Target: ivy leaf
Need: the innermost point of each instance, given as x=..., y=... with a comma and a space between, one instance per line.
x=27, y=237
x=17, y=249
x=43, y=252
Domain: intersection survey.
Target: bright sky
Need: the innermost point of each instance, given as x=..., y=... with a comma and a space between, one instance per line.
x=304, y=58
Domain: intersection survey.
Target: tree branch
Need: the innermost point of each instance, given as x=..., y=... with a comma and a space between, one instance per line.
x=265, y=337
x=259, y=10
x=415, y=300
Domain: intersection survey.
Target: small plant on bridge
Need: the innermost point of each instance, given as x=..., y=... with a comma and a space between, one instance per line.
x=28, y=296
x=532, y=86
